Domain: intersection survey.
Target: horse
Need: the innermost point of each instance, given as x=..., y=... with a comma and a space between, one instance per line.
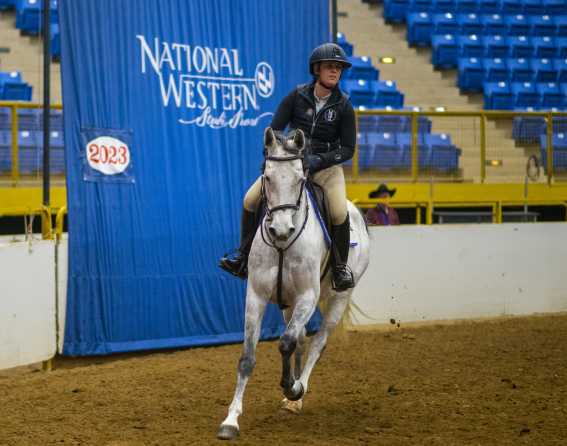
x=287, y=266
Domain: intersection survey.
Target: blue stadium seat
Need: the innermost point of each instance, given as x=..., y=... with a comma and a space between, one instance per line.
x=563, y=88
x=544, y=70
x=419, y=28
x=391, y=124
x=555, y=6
x=512, y=6
x=361, y=69
x=489, y=6
x=561, y=24
x=421, y=5
x=341, y=41
x=525, y=95
x=542, y=25
x=367, y=124
x=533, y=7
x=496, y=70
x=361, y=92
x=559, y=151
x=520, y=70
x=493, y=24
x=470, y=46
x=466, y=6
x=395, y=10
x=7, y=4
x=387, y=94
x=444, y=5
x=471, y=74
x=496, y=46
x=517, y=25
x=521, y=46
x=561, y=43
x=16, y=91
x=445, y=23
x=528, y=129
x=437, y=140
x=469, y=23
x=498, y=96
x=551, y=95
x=445, y=159
x=55, y=41
x=445, y=51
x=545, y=47
x=561, y=67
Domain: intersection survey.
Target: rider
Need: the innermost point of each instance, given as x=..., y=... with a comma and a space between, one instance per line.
x=327, y=118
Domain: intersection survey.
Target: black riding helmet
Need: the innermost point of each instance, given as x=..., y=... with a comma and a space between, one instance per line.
x=328, y=52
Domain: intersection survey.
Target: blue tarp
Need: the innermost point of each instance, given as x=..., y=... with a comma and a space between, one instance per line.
x=165, y=104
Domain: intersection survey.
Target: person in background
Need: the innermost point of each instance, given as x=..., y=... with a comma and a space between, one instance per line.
x=382, y=214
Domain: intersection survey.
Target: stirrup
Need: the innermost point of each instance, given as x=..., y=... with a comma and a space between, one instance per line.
x=346, y=281
x=235, y=263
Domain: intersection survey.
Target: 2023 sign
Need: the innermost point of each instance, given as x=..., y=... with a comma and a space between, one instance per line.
x=108, y=155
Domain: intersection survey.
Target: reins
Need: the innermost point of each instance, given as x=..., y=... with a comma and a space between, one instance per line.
x=266, y=237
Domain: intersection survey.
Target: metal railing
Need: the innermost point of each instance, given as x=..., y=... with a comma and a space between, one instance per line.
x=14, y=106
x=480, y=137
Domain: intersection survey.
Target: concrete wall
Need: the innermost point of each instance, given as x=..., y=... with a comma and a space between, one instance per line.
x=421, y=273
x=27, y=302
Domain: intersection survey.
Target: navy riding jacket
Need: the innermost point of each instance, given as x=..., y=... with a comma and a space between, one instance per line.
x=332, y=131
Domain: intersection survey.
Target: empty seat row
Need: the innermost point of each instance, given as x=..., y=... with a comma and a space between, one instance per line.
x=13, y=87
x=372, y=94
x=31, y=139
x=423, y=25
x=30, y=119
x=559, y=151
x=30, y=161
x=29, y=15
x=393, y=151
x=498, y=46
x=381, y=124
x=397, y=10
x=473, y=72
x=529, y=129
x=521, y=95
x=447, y=49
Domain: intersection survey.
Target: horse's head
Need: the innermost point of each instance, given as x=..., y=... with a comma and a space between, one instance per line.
x=283, y=180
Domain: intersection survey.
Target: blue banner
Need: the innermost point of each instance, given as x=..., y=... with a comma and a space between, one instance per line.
x=165, y=105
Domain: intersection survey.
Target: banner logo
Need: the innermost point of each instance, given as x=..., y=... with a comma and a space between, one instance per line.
x=208, y=85
x=108, y=155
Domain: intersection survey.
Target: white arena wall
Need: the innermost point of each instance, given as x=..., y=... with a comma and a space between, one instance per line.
x=27, y=302
x=429, y=273
x=416, y=274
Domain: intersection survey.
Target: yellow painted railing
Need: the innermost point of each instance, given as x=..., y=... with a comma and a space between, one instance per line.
x=14, y=106
x=481, y=115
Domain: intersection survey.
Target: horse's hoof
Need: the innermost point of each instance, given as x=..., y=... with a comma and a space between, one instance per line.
x=227, y=432
x=294, y=407
x=294, y=396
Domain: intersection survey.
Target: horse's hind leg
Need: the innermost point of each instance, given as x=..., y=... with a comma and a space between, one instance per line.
x=337, y=303
x=302, y=312
x=255, y=307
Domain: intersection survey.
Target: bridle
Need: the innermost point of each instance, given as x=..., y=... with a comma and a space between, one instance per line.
x=270, y=211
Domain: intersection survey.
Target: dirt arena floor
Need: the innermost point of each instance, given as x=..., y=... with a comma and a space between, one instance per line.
x=498, y=382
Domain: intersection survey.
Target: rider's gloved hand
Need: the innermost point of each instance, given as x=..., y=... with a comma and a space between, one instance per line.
x=314, y=163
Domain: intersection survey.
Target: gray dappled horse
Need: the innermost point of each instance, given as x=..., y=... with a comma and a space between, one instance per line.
x=285, y=265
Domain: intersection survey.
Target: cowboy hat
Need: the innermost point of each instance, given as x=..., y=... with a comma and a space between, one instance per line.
x=380, y=190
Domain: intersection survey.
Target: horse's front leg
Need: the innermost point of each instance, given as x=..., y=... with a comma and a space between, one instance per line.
x=302, y=312
x=337, y=305
x=255, y=307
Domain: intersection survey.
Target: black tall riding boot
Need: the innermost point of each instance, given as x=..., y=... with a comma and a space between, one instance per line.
x=237, y=262
x=342, y=275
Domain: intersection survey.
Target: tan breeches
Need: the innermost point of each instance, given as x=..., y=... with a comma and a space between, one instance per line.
x=332, y=180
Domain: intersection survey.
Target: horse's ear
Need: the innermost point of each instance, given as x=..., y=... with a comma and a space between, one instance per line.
x=269, y=138
x=299, y=139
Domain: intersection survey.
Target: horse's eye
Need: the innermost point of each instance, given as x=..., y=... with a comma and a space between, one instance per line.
x=268, y=179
